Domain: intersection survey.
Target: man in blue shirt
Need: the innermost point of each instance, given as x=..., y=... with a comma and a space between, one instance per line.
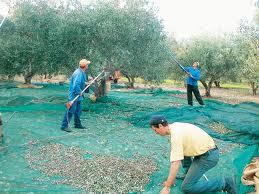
x=192, y=84
x=76, y=86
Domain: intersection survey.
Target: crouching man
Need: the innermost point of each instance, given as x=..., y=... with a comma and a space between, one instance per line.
x=198, y=153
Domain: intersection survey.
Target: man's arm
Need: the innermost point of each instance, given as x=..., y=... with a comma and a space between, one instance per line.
x=196, y=75
x=187, y=71
x=171, y=177
x=77, y=85
x=172, y=173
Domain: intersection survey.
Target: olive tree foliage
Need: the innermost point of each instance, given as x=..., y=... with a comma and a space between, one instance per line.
x=50, y=37
x=247, y=49
x=123, y=35
x=8, y=66
x=93, y=33
x=179, y=50
x=148, y=47
x=216, y=57
x=27, y=40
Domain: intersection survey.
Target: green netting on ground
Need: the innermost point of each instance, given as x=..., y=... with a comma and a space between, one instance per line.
x=117, y=152
x=240, y=121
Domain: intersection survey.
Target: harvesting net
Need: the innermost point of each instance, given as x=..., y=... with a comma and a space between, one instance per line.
x=117, y=152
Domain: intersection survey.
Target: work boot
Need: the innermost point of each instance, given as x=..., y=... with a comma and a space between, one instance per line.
x=80, y=127
x=231, y=185
x=66, y=129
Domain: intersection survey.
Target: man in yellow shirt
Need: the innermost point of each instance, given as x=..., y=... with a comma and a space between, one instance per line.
x=189, y=141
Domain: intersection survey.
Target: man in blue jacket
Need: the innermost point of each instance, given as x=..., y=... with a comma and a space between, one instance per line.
x=76, y=86
x=192, y=84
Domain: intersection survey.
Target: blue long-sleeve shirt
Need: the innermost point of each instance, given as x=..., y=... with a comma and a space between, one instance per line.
x=77, y=84
x=196, y=75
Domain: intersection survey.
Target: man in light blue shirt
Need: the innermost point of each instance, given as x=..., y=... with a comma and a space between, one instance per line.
x=76, y=86
x=192, y=83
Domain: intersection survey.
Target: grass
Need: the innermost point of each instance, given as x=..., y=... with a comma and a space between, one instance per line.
x=235, y=85
x=170, y=82
x=167, y=82
x=232, y=93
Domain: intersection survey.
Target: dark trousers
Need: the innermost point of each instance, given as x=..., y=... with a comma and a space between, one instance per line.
x=75, y=110
x=194, y=181
x=193, y=89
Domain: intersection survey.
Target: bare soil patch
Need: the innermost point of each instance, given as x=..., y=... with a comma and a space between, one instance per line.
x=227, y=95
x=231, y=96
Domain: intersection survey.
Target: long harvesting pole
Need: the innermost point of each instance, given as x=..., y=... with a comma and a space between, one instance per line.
x=70, y=103
x=179, y=64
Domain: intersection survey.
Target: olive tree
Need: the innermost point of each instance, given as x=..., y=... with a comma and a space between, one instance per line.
x=216, y=56
x=247, y=45
x=28, y=48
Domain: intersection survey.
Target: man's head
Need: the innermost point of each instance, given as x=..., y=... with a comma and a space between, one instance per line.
x=159, y=124
x=195, y=64
x=83, y=64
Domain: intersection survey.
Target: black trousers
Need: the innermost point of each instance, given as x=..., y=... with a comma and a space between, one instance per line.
x=193, y=89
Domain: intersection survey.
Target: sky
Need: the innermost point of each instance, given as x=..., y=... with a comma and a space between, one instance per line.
x=3, y=8
x=187, y=18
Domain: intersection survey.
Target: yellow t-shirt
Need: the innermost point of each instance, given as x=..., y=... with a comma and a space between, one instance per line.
x=188, y=140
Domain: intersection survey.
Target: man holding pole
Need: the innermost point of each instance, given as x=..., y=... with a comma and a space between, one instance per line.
x=194, y=75
x=76, y=87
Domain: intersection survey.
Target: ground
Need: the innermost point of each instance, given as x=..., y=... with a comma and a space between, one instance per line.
x=228, y=95
x=117, y=145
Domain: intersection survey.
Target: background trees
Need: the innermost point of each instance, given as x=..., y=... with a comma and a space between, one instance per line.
x=27, y=40
x=247, y=49
x=50, y=37
x=216, y=56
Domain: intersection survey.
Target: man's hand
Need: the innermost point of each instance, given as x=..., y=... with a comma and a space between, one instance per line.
x=81, y=94
x=187, y=73
x=174, y=167
x=165, y=184
x=165, y=190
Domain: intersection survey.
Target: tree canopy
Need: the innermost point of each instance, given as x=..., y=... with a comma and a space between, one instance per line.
x=215, y=55
x=51, y=38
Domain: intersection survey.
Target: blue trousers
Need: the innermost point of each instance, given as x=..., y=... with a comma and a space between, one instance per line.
x=76, y=110
x=194, y=182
